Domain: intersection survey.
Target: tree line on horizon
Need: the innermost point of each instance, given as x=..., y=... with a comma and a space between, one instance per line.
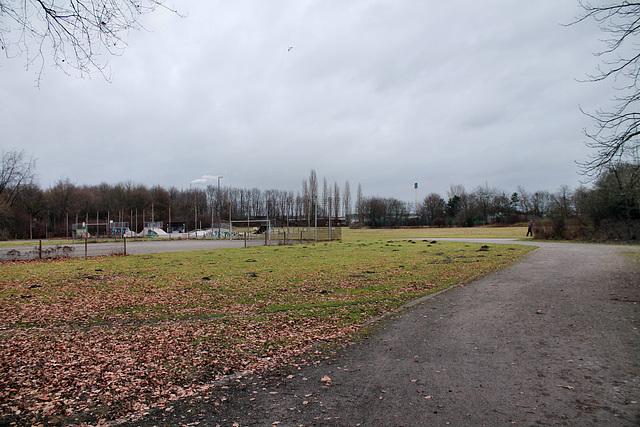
x=609, y=209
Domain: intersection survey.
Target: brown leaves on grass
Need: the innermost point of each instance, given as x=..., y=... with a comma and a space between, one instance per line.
x=84, y=344
x=117, y=370
x=90, y=301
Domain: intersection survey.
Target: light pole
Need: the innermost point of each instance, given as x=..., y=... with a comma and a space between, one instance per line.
x=195, y=214
x=219, y=213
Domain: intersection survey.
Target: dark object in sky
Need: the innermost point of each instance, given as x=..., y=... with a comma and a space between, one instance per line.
x=290, y=47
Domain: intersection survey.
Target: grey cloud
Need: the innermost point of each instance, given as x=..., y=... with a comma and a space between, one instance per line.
x=382, y=93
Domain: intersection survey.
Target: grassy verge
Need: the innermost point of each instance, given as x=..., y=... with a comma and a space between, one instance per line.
x=83, y=339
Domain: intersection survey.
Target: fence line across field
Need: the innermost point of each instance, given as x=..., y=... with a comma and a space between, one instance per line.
x=91, y=247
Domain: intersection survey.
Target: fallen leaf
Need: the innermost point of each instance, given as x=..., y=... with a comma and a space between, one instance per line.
x=566, y=386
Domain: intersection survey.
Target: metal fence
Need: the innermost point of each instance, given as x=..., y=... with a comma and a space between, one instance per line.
x=93, y=247
x=320, y=234
x=44, y=250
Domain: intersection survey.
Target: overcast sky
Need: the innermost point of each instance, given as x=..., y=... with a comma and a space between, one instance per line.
x=379, y=92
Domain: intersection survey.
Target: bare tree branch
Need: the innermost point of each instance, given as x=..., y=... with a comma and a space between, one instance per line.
x=616, y=134
x=70, y=34
x=16, y=170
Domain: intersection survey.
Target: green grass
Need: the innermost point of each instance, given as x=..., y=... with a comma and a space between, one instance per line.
x=184, y=318
x=364, y=269
x=635, y=256
x=488, y=232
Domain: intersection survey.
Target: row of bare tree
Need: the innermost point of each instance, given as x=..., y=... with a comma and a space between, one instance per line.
x=462, y=208
x=27, y=211
x=610, y=209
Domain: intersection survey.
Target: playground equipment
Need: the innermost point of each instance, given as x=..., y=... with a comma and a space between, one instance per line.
x=153, y=232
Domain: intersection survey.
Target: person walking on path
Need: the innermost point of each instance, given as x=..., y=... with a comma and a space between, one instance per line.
x=530, y=229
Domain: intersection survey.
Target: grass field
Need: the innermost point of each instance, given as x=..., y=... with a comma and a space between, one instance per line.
x=434, y=233
x=98, y=338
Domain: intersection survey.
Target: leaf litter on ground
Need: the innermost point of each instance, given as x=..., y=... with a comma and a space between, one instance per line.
x=100, y=338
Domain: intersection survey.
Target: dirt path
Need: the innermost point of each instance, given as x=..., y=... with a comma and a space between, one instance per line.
x=552, y=340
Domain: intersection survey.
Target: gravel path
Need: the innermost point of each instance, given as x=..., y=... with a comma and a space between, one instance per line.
x=551, y=340
x=133, y=247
